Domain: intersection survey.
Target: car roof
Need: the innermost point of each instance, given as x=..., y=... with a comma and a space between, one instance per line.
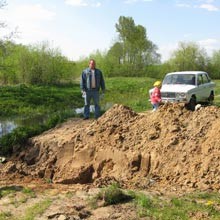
x=186, y=72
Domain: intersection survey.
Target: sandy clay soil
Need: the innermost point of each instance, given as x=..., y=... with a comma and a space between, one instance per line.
x=172, y=150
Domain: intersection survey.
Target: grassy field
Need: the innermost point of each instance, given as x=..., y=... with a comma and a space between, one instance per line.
x=217, y=92
x=26, y=100
x=129, y=91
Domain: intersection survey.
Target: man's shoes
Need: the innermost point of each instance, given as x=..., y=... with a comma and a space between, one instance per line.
x=86, y=118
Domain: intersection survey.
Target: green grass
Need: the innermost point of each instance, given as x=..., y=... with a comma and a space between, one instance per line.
x=129, y=91
x=217, y=93
x=5, y=215
x=35, y=210
x=25, y=194
x=29, y=192
x=184, y=208
x=33, y=100
x=30, y=213
x=25, y=100
x=7, y=190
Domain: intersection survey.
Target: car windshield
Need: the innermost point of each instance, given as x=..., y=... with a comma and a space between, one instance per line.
x=188, y=79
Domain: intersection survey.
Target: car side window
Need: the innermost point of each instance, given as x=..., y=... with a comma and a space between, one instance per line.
x=205, y=78
x=193, y=80
x=200, y=80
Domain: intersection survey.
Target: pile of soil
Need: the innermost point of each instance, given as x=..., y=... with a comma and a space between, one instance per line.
x=172, y=149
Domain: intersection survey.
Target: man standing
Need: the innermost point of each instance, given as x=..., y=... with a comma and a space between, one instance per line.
x=91, y=82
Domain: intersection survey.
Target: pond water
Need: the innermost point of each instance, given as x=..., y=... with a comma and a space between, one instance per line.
x=7, y=125
x=105, y=107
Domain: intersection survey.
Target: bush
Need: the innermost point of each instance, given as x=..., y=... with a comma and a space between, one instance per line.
x=109, y=196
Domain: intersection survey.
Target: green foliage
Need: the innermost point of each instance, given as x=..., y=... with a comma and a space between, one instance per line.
x=112, y=195
x=189, y=56
x=132, y=52
x=38, y=64
x=17, y=137
x=109, y=196
x=215, y=65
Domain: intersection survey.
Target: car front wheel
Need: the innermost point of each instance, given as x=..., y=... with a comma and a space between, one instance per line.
x=211, y=98
x=192, y=104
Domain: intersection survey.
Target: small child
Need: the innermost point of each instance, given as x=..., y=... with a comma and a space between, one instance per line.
x=155, y=96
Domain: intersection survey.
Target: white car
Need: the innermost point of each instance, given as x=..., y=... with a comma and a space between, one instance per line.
x=190, y=87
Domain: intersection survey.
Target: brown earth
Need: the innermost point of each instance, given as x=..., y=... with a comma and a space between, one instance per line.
x=172, y=149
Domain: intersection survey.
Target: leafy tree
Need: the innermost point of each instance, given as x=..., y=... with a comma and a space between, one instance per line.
x=7, y=75
x=189, y=56
x=114, y=59
x=215, y=65
x=134, y=50
x=37, y=64
x=8, y=72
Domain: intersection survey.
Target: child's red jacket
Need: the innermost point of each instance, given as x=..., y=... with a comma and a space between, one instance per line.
x=155, y=96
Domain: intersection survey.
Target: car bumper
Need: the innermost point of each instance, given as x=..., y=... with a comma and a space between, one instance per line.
x=174, y=100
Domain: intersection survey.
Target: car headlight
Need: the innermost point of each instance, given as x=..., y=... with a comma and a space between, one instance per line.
x=181, y=95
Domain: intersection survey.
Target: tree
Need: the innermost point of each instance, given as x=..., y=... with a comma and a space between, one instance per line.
x=215, y=65
x=41, y=64
x=188, y=56
x=6, y=47
x=133, y=50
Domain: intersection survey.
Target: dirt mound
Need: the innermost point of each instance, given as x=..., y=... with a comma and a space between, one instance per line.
x=172, y=149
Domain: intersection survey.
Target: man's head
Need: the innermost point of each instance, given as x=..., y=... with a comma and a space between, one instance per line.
x=92, y=64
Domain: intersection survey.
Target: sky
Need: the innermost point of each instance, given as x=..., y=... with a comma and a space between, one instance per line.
x=81, y=27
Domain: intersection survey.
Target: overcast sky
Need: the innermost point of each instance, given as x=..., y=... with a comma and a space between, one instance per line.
x=80, y=27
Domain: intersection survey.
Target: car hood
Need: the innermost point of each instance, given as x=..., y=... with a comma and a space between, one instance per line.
x=177, y=88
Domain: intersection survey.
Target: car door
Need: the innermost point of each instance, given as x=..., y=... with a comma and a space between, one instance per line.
x=203, y=91
x=209, y=86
